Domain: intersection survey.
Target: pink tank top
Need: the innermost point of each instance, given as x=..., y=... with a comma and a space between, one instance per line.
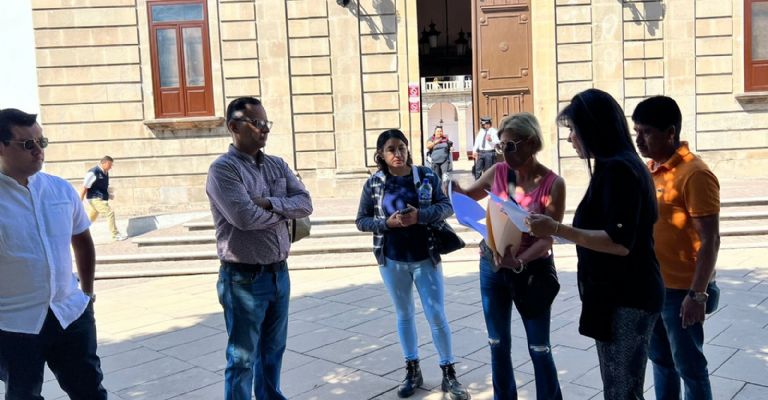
x=535, y=201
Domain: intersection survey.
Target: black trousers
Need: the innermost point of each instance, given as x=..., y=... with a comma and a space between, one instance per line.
x=485, y=159
x=70, y=354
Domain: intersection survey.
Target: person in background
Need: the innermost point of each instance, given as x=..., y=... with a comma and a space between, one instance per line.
x=96, y=190
x=45, y=318
x=618, y=275
x=484, y=152
x=687, y=240
x=253, y=196
x=439, y=149
x=406, y=254
x=538, y=189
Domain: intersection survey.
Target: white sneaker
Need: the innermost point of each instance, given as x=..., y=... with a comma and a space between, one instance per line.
x=119, y=237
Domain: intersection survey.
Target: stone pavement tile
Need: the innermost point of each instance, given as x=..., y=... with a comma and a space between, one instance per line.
x=317, y=338
x=468, y=340
x=726, y=316
x=215, y=320
x=380, y=302
x=455, y=275
x=146, y=331
x=382, y=361
x=108, y=347
x=349, y=348
x=128, y=320
x=211, y=392
x=761, y=287
x=463, y=294
x=353, y=317
x=569, y=335
x=570, y=391
x=355, y=386
x=150, y=371
x=730, y=282
x=744, y=338
x=455, y=311
x=724, y=388
x=752, y=392
x=717, y=355
x=423, y=331
x=320, y=314
x=292, y=359
x=476, y=320
x=746, y=366
x=191, y=350
x=741, y=297
x=571, y=363
x=379, y=327
x=297, y=327
x=215, y=361
x=302, y=303
x=171, y=386
x=480, y=383
x=127, y=359
x=313, y=375
x=593, y=379
x=179, y=336
x=433, y=375
x=356, y=295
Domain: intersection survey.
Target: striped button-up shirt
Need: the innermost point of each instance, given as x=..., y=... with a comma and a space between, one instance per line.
x=245, y=232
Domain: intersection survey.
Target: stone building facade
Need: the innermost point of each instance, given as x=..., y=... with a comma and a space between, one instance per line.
x=333, y=77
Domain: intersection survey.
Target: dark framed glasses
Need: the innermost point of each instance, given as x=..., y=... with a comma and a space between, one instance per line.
x=29, y=144
x=256, y=123
x=507, y=147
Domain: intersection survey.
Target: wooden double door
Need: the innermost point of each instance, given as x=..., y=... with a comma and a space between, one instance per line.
x=502, y=60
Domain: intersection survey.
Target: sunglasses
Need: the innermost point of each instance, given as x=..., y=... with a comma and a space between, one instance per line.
x=507, y=147
x=258, y=124
x=29, y=144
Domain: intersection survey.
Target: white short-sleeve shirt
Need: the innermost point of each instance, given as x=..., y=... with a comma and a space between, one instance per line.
x=36, y=229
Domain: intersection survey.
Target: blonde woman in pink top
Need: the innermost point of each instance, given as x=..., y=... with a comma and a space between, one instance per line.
x=526, y=277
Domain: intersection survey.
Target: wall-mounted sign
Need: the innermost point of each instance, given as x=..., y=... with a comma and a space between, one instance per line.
x=414, y=98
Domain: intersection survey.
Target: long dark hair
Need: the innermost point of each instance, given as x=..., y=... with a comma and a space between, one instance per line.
x=599, y=122
x=383, y=138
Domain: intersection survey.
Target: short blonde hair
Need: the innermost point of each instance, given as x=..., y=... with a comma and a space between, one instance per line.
x=526, y=126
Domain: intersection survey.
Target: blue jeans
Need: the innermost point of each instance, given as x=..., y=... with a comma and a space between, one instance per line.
x=256, y=314
x=497, y=294
x=399, y=278
x=678, y=353
x=70, y=354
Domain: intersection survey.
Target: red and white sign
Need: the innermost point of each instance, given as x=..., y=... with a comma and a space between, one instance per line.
x=414, y=98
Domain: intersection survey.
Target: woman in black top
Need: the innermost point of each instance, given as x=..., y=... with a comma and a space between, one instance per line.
x=618, y=275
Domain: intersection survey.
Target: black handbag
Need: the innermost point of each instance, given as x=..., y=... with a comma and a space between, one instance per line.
x=446, y=239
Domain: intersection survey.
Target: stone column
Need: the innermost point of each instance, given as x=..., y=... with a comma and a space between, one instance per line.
x=461, y=146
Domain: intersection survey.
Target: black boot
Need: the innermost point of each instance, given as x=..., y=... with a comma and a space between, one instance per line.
x=451, y=385
x=412, y=380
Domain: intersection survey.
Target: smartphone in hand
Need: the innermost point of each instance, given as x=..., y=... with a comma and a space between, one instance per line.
x=405, y=211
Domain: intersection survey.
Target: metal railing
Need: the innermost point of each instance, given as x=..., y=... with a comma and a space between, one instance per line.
x=459, y=85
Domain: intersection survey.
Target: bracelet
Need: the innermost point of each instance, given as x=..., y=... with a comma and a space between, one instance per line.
x=522, y=266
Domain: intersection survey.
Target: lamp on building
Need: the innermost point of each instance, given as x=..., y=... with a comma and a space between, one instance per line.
x=461, y=44
x=424, y=42
x=433, y=34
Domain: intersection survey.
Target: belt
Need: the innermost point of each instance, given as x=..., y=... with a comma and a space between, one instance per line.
x=486, y=151
x=242, y=267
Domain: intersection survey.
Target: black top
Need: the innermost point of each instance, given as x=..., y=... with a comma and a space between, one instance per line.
x=99, y=188
x=621, y=201
x=409, y=244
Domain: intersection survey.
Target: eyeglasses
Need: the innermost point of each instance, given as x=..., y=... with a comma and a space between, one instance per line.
x=256, y=123
x=507, y=147
x=29, y=144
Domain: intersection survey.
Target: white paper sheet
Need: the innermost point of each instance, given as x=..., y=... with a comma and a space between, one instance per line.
x=469, y=213
x=513, y=211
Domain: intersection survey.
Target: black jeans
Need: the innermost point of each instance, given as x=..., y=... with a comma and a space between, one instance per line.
x=485, y=159
x=70, y=354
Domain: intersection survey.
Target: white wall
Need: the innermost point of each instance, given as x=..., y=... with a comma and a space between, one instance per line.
x=18, y=75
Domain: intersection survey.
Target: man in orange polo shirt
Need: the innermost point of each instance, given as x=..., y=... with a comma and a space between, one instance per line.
x=687, y=240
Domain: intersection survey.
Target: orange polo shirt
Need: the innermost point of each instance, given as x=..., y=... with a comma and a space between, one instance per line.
x=685, y=188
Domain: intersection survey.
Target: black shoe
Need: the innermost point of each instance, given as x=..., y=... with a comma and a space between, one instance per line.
x=451, y=385
x=412, y=380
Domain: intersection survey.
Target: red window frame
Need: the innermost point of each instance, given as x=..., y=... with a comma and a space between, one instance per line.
x=184, y=100
x=755, y=71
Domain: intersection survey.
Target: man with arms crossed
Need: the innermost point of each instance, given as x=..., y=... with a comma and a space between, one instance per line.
x=687, y=240
x=484, y=150
x=253, y=196
x=44, y=316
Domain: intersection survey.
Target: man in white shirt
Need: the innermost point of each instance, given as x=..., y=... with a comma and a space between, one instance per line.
x=44, y=316
x=484, y=151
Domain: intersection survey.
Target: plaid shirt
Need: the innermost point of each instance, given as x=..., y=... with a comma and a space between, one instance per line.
x=371, y=217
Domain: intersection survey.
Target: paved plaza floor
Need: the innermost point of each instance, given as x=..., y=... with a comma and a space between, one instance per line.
x=164, y=338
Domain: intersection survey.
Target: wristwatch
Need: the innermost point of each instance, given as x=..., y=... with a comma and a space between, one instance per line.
x=699, y=297
x=91, y=295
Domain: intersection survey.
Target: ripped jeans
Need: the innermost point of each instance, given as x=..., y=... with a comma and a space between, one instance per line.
x=497, y=296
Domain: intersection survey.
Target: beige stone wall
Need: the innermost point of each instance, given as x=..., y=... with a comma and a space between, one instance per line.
x=331, y=79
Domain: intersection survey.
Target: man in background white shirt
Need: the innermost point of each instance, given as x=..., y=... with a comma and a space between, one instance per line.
x=484, y=151
x=44, y=316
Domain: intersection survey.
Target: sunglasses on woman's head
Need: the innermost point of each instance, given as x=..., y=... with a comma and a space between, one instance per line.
x=29, y=144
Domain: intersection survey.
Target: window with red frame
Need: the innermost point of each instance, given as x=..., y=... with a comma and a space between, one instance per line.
x=181, y=58
x=755, y=45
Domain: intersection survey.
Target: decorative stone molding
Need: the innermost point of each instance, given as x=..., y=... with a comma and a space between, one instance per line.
x=752, y=97
x=184, y=123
